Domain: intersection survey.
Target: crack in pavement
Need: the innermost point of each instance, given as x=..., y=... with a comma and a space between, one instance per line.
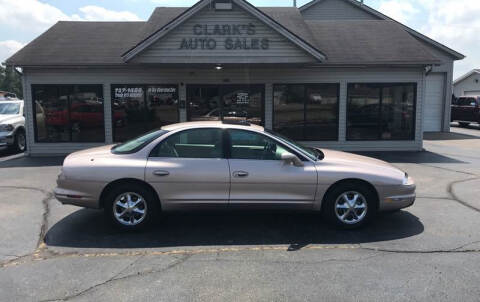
x=47, y=254
x=456, y=198
x=116, y=278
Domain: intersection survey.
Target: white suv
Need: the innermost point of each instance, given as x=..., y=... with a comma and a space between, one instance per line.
x=12, y=124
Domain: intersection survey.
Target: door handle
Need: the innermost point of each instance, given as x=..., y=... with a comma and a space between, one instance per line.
x=161, y=173
x=240, y=174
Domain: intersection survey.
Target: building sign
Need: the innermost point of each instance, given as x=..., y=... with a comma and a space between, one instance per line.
x=233, y=36
x=133, y=92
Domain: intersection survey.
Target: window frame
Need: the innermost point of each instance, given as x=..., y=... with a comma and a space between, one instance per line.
x=381, y=86
x=33, y=88
x=305, y=108
x=221, y=93
x=228, y=145
x=144, y=87
x=223, y=143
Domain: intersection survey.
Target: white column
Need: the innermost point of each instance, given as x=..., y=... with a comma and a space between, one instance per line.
x=107, y=109
x=182, y=97
x=268, y=106
x=342, y=112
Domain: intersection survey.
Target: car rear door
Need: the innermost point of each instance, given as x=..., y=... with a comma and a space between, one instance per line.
x=259, y=176
x=189, y=167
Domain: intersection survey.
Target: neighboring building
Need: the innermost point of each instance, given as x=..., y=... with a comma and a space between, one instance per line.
x=468, y=84
x=333, y=73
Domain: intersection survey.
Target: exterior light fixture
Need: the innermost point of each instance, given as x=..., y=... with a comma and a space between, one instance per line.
x=218, y=67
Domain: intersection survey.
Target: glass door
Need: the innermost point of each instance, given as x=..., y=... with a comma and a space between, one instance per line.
x=226, y=102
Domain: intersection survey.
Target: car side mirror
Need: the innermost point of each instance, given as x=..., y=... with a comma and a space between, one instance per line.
x=291, y=159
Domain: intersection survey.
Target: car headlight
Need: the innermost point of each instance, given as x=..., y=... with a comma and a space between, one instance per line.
x=6, y=127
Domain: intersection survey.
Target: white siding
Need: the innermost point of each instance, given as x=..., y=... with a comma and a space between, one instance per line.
x=167, y=49
x=336, y=10
x=469, y=86
x=135, y=75
x=434, y=102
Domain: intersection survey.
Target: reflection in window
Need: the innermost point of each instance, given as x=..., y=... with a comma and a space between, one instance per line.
x=251, y=145
x=137, y=109
x=225, y=102
x=196, y=143
x=306, y=112
x=68, y=113
x=381, y=111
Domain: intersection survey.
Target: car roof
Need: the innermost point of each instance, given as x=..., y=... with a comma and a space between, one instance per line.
x=212, y=124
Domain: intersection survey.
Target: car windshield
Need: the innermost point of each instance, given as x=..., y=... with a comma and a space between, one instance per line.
x=9, y=108
x=312, y=153
x=138, y=143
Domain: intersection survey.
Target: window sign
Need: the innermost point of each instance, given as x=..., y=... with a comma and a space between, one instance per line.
x=243, y=98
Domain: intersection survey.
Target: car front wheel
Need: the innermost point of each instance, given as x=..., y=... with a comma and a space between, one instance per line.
x=20, y=144
x=131, y=207
x=349, y=205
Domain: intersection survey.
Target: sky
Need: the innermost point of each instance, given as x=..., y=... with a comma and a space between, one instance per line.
x=454, y=23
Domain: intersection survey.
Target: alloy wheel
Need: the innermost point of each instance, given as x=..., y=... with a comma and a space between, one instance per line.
x=130, y=209
x=351, y=207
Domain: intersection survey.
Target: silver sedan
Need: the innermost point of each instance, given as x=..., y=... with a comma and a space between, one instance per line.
x=205, y=164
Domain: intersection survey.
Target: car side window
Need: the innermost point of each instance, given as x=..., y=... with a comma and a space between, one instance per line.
x=194, y=143
x=250, y=145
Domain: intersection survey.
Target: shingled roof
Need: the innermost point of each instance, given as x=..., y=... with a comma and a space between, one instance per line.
x=343, y=42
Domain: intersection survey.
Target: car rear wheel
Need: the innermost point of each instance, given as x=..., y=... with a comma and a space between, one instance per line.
x=131, y=207
x=349, y=205
x=463, y=124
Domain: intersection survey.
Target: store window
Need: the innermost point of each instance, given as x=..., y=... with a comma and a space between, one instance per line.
x=225, y=102
x=306, y=112
x=381, y=111
x=68, y=113
x=137, y=109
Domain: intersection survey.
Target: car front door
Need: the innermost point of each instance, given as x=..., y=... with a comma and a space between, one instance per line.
x=260, y=176
x=189, y=167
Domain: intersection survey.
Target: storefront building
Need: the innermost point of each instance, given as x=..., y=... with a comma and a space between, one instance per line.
x=333, y=73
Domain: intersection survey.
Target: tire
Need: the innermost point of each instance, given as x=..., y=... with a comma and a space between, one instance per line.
x=116, y=204
x=463, y=124
x=335, y=205
x=20, y=141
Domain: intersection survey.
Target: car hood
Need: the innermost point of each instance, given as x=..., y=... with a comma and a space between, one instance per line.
x=8, y=118
x=362, y=165
x=92, y=152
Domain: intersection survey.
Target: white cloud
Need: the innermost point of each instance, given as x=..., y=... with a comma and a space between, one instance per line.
x=29, y=15
x=34, y=16
x=456, y=23
x=180, y=3
x=399, y=10
x=8, y=48
x=97, y=13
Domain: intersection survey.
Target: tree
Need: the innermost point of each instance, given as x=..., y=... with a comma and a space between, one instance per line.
x=11, y=80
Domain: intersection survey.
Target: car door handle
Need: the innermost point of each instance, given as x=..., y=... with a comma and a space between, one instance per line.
x=161, y=173
x=240, y=174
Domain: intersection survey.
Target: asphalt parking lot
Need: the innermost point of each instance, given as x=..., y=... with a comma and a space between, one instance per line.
x=431, y=251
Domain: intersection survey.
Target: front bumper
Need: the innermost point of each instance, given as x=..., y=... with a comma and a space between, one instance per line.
x=78, y=193
x=6, y=140
x=397, y=197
